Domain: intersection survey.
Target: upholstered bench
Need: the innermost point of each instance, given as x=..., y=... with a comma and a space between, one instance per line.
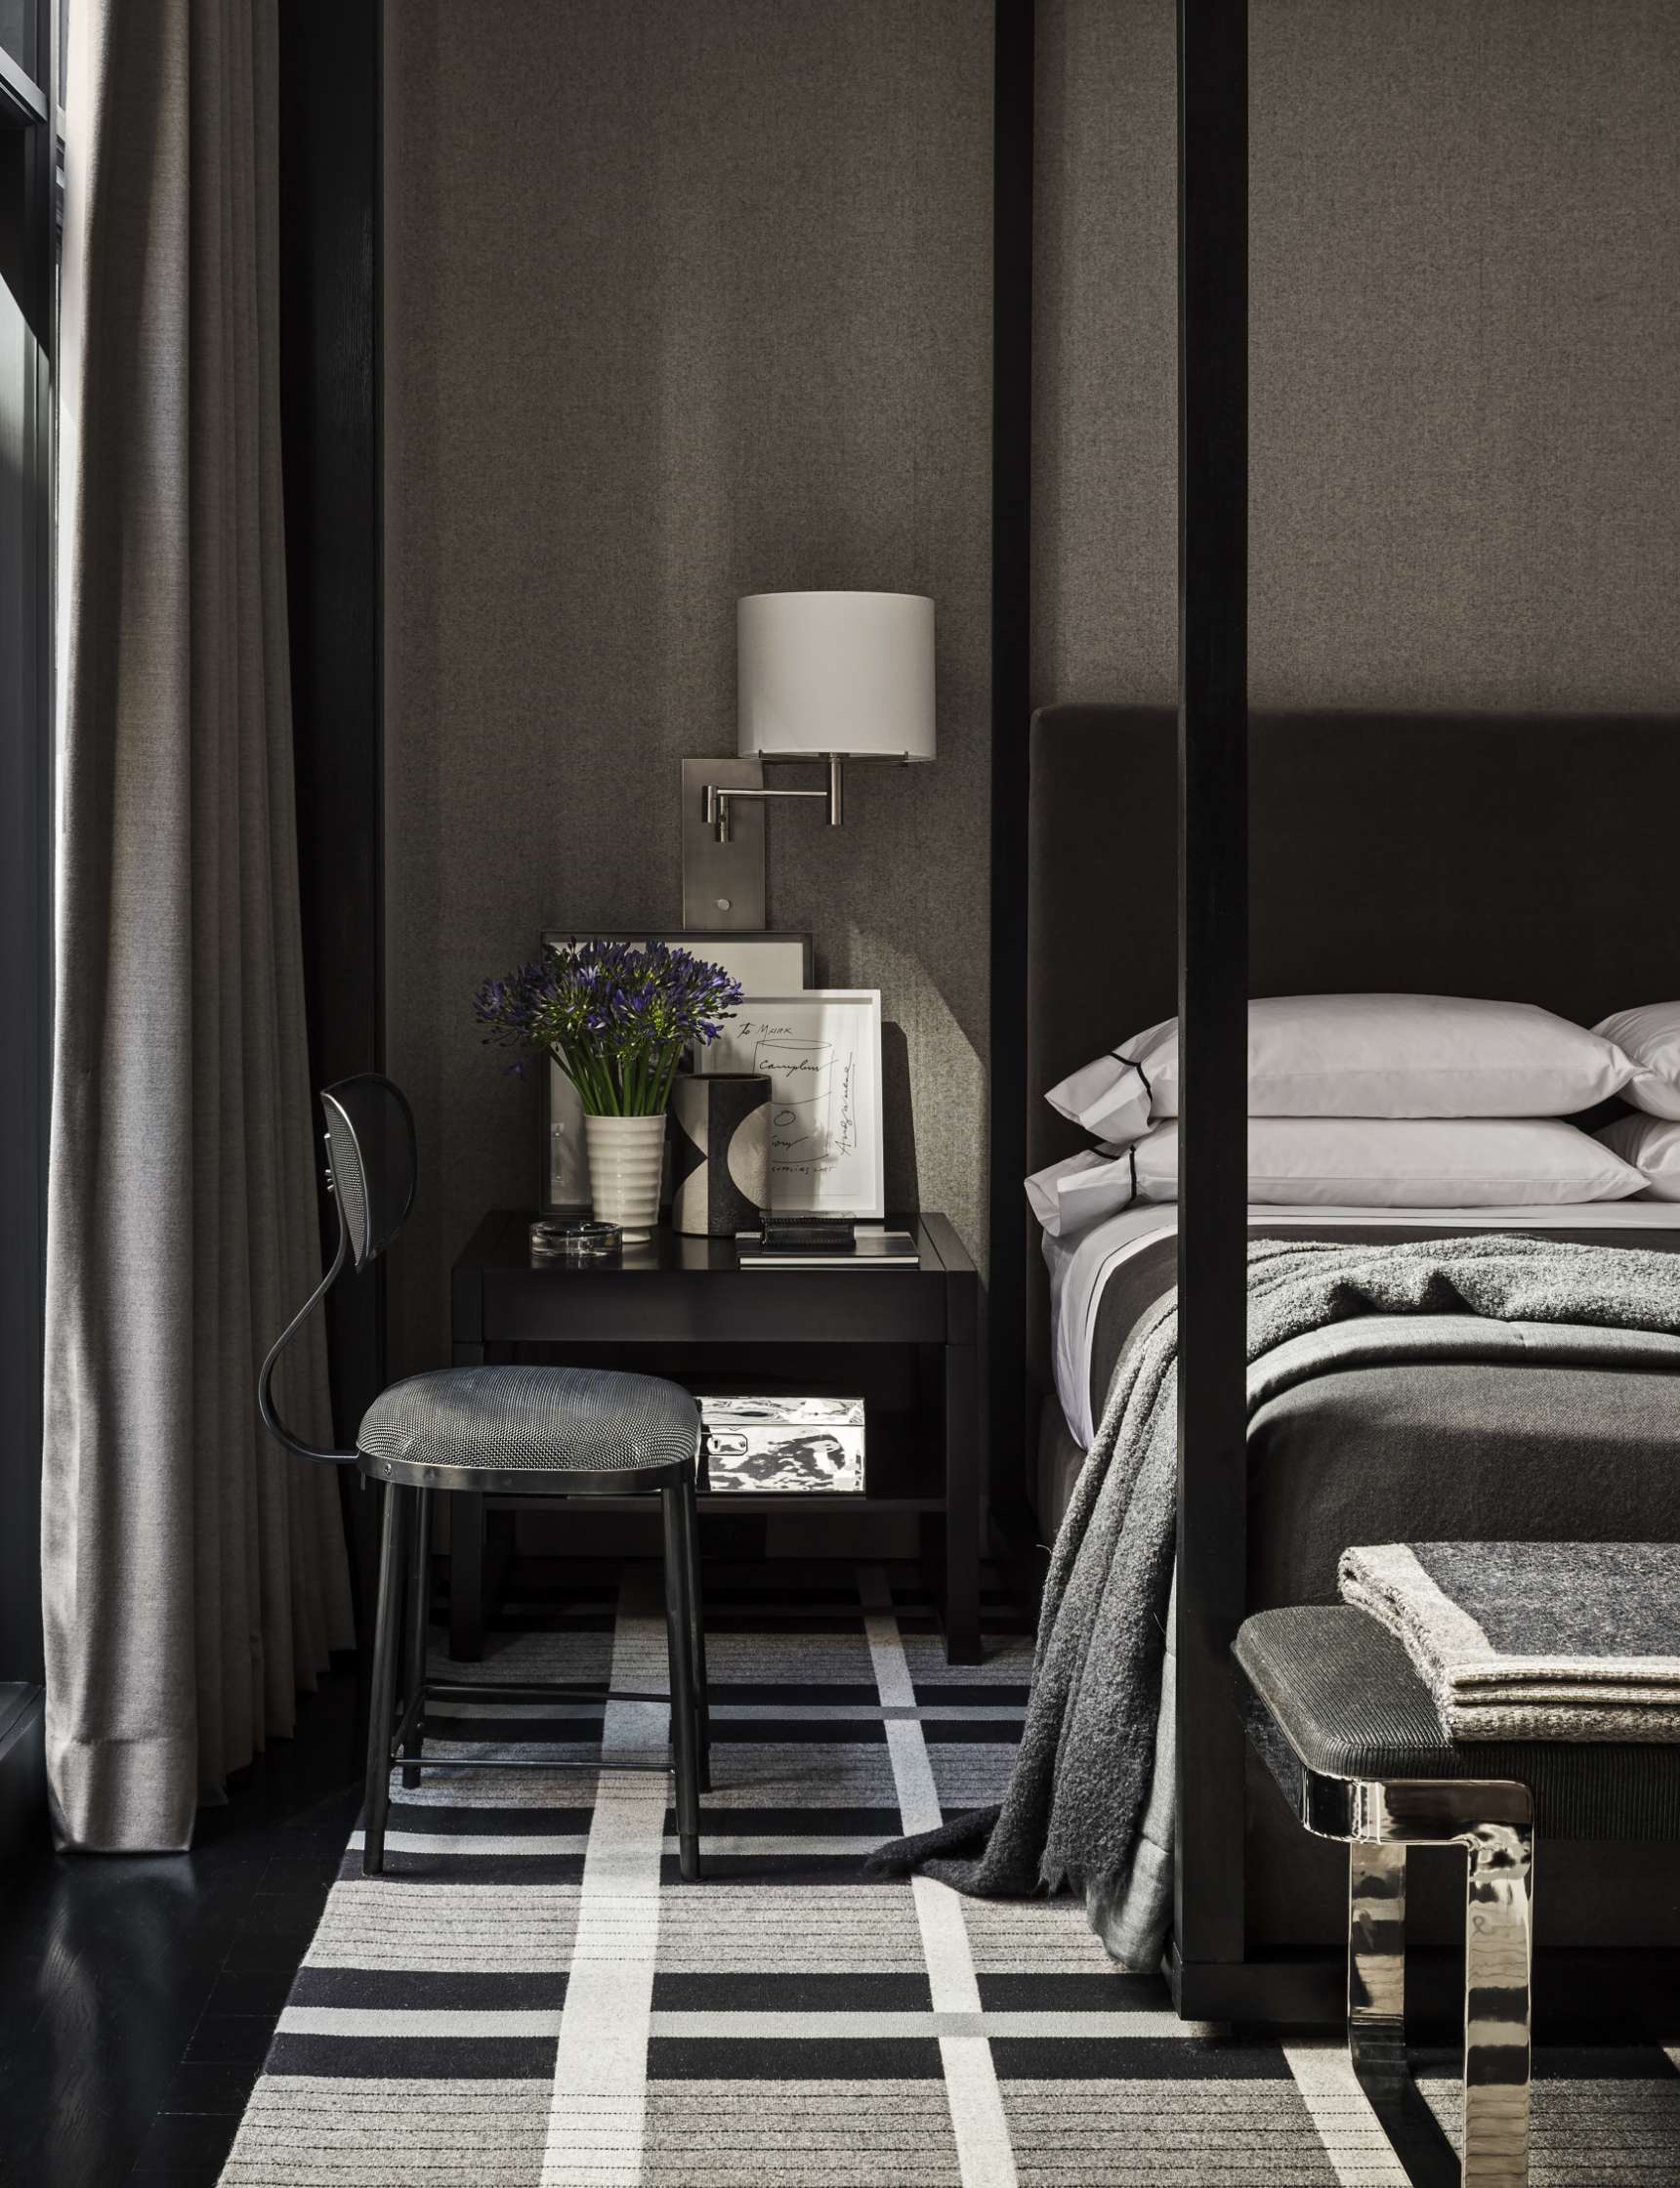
x=1332, y=1703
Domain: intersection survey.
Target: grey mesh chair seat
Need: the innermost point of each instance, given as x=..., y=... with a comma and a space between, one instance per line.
x=621, y=1430
x=1343, y=1692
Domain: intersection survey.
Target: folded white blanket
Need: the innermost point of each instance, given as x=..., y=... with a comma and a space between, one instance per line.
x=1533, y=1640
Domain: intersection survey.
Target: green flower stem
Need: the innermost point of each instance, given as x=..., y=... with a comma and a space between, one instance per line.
x=638, y=1086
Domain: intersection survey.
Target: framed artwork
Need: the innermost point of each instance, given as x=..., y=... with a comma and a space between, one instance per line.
x=763, y=964
x=820, y=1049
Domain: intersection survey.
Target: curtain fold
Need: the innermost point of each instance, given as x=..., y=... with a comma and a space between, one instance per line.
x=194, y=1578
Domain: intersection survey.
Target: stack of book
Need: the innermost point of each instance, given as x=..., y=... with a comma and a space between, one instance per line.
x=825, y=1242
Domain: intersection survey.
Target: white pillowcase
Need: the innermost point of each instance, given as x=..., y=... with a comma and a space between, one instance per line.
x=1650, y=1038
x=1107, y=1098
x=1378, y=1056
x=1652, y=1145
x=1079, y=1191
x=1355, y=1163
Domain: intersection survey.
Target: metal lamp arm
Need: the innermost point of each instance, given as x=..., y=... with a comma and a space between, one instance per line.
x=271, y=1420
x=717, y=800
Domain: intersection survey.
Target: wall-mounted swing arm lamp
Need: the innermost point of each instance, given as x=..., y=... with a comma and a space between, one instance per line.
x=826, y=677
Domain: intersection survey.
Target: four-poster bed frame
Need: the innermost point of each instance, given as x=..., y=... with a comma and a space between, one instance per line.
x=1449, y=852
x=1208, y=1945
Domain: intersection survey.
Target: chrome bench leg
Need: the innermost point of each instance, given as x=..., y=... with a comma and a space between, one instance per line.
x=1497, y=1959
x=1493, y=1822
x=1376, y=1969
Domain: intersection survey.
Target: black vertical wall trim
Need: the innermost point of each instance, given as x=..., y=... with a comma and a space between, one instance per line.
x=1213, y=967
x=1011, y=700
x=26, y=247
x=330, y=198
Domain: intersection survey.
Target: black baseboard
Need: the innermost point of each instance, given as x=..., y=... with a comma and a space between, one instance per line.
x=22, y=1771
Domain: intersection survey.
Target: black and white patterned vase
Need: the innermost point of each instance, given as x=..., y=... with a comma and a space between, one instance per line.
x=720, y=1152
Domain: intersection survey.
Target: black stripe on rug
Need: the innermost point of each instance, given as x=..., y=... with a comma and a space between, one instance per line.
x=693, y=2058
x=435, y=1817
x=803, y=1991
x=470, y=1868
x=414, y=2058
x=415, y=1990
x=1134, y=2058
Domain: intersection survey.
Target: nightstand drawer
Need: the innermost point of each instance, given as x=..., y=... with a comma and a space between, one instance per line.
x=875, y=1306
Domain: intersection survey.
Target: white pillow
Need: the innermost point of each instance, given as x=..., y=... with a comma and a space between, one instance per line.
x=1355, y=1163
x=1391, y=1056
x=1073, y=1193
x=1107, y=1098
x=1650, y=1038
x=1653, y=1145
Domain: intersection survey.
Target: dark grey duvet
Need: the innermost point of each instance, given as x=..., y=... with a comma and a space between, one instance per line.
x=1514, y=1381
x=1460, y=1432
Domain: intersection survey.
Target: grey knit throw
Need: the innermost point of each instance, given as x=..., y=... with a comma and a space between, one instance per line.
x=1076, y=1794
x=1533, y=1640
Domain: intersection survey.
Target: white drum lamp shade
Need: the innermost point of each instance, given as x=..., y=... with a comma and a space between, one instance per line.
x=846, y=676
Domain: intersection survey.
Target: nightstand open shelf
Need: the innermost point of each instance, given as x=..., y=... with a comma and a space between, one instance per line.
x=903, y=1339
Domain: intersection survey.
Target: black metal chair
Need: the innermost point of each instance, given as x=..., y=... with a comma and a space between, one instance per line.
x=524, y=1430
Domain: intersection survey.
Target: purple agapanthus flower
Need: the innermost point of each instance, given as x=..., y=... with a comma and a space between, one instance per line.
x=617, y=1017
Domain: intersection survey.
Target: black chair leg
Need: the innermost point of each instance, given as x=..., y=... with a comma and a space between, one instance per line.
x=419, y=1619
x=678, y=1635
x=698, y=1633
x=383, y=1708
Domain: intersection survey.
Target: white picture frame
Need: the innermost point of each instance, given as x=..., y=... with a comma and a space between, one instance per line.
x=768, y=963
x=820, y=1049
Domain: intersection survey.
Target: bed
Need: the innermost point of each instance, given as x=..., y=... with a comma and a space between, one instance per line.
x=1516, y=856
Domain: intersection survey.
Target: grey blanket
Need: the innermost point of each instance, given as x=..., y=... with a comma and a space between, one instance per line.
x=1075, y=1804
x=1533, y=1640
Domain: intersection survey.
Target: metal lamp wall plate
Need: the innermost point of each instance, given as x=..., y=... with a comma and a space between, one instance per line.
x=723, y=883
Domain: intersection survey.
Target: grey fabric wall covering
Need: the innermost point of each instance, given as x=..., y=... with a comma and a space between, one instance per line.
x=687, y=301
x=1465, y=308
x=684, y=301
x=193, y=1577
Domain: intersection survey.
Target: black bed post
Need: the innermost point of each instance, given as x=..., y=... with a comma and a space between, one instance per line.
x=1015, y=35
x=1212, y=979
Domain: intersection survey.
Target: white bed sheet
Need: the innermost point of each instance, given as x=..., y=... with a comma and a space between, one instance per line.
x=1079, y=1267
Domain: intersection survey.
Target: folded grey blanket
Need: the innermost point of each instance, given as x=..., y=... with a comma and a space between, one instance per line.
x=1533, y=1640
x=1081, y=1785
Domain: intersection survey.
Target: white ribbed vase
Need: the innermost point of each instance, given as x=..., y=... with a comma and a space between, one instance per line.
x=626, y=1163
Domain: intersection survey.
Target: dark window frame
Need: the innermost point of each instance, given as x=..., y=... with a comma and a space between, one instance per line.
x=28, y=296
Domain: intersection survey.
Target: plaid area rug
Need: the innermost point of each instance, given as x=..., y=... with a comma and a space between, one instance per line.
x=531, y=1997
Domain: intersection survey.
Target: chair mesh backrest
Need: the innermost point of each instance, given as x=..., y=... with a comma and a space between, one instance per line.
x=370, y=1142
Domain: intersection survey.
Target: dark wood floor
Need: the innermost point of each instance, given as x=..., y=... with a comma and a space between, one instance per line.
x=136, y=1996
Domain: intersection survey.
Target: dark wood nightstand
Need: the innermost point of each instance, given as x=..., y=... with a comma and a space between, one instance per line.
x=905, y=1339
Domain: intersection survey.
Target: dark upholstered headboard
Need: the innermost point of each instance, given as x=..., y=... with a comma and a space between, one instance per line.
x=1532, y=856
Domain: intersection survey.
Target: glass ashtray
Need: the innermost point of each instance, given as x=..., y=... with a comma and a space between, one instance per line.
x=575, y=1243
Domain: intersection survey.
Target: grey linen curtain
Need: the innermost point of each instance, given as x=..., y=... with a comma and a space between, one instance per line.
x=194, y=1578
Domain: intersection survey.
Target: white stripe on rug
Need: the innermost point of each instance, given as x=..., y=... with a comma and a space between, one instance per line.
x=770, y=1712
x=730, y=2023
x=985, y=2155
x=597, y=2107
x=1360, y=2151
